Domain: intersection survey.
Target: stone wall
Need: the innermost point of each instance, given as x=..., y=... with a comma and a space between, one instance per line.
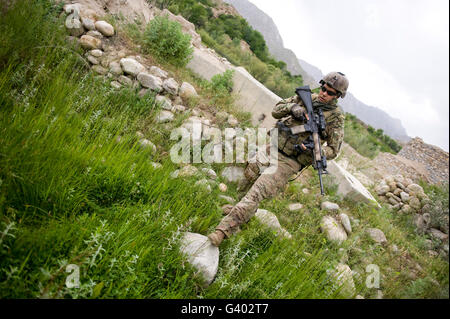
x=434, y=159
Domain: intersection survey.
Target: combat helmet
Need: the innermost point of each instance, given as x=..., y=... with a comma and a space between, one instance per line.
x=337, y=81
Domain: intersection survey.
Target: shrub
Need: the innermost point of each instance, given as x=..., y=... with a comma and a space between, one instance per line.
x=166, y=41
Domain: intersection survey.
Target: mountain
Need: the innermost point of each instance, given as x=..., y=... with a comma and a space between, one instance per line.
x=263, y=23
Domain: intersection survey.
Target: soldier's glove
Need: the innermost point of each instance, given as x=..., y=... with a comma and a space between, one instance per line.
x=299, y=113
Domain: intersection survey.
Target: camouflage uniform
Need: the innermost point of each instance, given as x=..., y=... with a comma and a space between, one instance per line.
x=268, y=185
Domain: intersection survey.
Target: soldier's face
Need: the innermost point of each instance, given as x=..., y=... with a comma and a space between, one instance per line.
x=323, y=95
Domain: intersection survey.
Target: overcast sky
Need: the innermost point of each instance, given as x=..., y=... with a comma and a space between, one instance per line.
x=394, y=52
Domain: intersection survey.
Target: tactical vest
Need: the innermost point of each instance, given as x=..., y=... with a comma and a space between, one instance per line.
x=291, y=133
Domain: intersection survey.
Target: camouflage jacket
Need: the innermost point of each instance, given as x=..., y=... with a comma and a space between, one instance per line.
x=334, y=130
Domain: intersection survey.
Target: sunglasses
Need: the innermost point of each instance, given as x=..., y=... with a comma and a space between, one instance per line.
x=330, y=93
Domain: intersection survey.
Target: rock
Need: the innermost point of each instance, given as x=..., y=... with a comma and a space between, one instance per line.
x=377, y=235
x=332, y=229
x=171, y=86
x=187, y=90
x=147, y=144
x=115, y=68
x=414, y=202
x=99, y=69
x=95, y=34
x=150, y=81
x=233, y=174
x=359, y=297
x=232, y=121
x=88, y=24
x=393, y=201
x=156, y=165
x=270, y=220
x=435, y=233
x=305, y=191
x=404, y=196
x=165, y=116
x=178, y=108
x=204, y=184
x=432, y=253
x=89, y=42
x=221, y=116
x=382, y=189
x=210, y=172
x=343, y=280
x=397, y=191
x=201, y=254
x=96, y=53
x=165, y=103
x=154, y=70
x=349, y=186
x=414, y=188
x=295, y=207
x=104, y=28
x=406, y=209
x=345, y=221
x=92, y=59
x=125, y=80
x=188, y=171
x=116, y=84
x=74, y=26
x=175, y=173
x=131, y=66
x=394, y=249
x=328, y=206
x=379, y=294
x=223, y=187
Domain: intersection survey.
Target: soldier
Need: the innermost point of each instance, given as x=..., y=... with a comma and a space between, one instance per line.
x=291, y=159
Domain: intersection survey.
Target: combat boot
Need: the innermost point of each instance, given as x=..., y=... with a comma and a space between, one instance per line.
x=216, y=238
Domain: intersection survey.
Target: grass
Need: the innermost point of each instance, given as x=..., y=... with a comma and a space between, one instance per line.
x=72, y=193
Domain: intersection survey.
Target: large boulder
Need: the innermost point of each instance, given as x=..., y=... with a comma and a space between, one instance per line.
x=201, y=254
x=349, y=186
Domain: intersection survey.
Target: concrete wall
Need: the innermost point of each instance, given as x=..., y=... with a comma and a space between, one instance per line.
x=252, y=95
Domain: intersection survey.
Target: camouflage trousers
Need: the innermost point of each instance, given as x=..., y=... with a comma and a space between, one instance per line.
x=266, y=185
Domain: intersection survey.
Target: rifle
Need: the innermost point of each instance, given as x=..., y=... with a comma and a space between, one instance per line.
x=315, y=124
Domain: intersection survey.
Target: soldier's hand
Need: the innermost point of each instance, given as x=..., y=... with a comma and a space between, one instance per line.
x=299, y=113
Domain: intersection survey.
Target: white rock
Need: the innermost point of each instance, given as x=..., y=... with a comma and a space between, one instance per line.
x=377, y=235
x=92, y=59
x=165, y=103
x=188, y=171
x=96, y=53
x=165, y=116
x=95, y=34
x=89, y=42
x=201, y=254
x=232, y=121
x=156, y=165
x=332, y=229
x=270, y=220
x=147, y=144
x=404, y=196
x=99, y=69
x=187, y=90
x=295, y=207
x=343, y=280
x=125, y=80
x=204, y=184
x=150, y=81
x=104, y=28
x=114, y=68
x=74, y=26
x=171, y=86
x=329, y=206
x=210, y=172
x=116, y=84
x=346, y=223
x=233, y=174
x=223, y=187
x=131, y=66
x=415, y=188
x=154, y=70
x=178, y=108
x=88, y=23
